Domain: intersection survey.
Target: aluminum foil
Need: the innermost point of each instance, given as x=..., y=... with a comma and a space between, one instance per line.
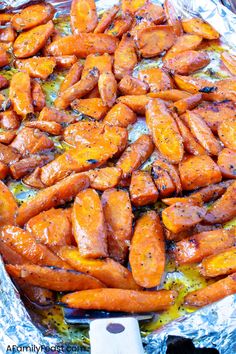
x=213, y=326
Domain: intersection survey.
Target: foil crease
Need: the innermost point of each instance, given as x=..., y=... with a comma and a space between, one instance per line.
x=213, y=326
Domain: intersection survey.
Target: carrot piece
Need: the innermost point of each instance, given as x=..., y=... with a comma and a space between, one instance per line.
x=164, y=131
x=102, y=62
x=183, y=43
x=53, y=278
x=83, y=16
x=54, y=115
x=34, y=180
x=23, y=242
x=125, y=57
x=142, y=189
x=135, y=155
x=227, y=163
x=213, y=292
x=21, y=168
x=20, y=94
x=4, y=58
x=107, y=87
x=118, y=222
x=163, y=181
x=72, y=77
x=30, y=42
x=104, y=178
x=198, y=171
x=136, y=103
x=8, y=206
x=4, y=83
x=6, y=137
x=170, y=95
x=161, y=164
x=48, y=127
x=5, y=18
x=88, y=225
x=192, y=84
x=132, y=86
x=230, y=62
x=120, y=300
x=190, y=143
x=120, y=115
x=11, y=256
x=83, y=44
x=51, y=197
x=202, y=132
x=80, y=89
x=8, y=155
x=32, y=16
x=147, y=253
x=38, y=67
x=120, y=25
x=156, y=78
x=38, y=96
x=200, y=28
x=131, y=6
x=31, y=141
x=172, y=18
x=35, y=294
x=106, y=19
x=4, y=170
x=65, y=61
x=224, y=208
x=227, y=133
x=7, y=34
x=109, y=272
x=222, y=263
x=187, y=103
x=152, y=13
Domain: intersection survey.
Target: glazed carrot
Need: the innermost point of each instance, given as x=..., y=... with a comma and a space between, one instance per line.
x=11, y=256
x=3, y=82
x=164, y=131
x=109, y=272
x=156, y=78
x=135, y=155
x=7, y=35
x=151, y=13
x=54, y=115
x=33, y=180
x=202, y=132
x=198, y=171
x=131, y=6
x=65, y=61
x=8, y=206
x=187, y=103
x=222, y=263
x=6, y=137
x=20, y=94
x=51, y=197
x=163, y=181
x=200, y=28
x=72, y=77
x=94, y=93
x=213, y=292
x=120, y=300
x=83, y=16
x=107, y=87
x=192, y=84
x=227, y=133
x=106, y=19
x=125, y=57
x=120, y=25
x=32, y=16
x=83, y=44
x=170, y=95
x=30, y=42
x=38, y=96
x=88, y=225
x=30, y=141
x=53, y=278
x=195, y=248
x=136, y=103
x=142, y=189
x=227, y=163
x=80, y=89
x=43, y=226
x=162, y=164
x=120, y=115
x=186, y=63
x=147, y=252
x=37, y=295
x=23, y=167
x=23, y=242
x=8, y=155
x=172, y=18
x=48, y=127
x=230, y=62
x=104, y=178
x=183, y=43
x=102, y=62
x=118, y=222
x=5, y=18
x=153, y=40
x=39, y=67
x=132, y=86
x=4, y=170
x=224, y=208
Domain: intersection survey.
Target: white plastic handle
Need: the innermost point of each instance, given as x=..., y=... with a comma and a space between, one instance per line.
x=115, y=336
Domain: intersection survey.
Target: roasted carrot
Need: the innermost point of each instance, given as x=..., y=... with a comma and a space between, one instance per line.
x=121, y=24
x=132, y=86
x=230, y=62
x=200, y=28
x=6, y=137
x=102, y=62
x=20, y=94
x=187, y=103
x=107, y=87
x=192, y=84
x=131, y=6
x=222, y=263
x=125, y=57
x=5, y=18
x=28, y=43
x=4, y=170
x=48, y=127
x=104, y=178
x=4, y=58
x=152, y=13
x=8, y=155
x=65, y=61
x=213, y=292
x=135, y=102
x=227, y=163
x=89, y=225
x=8, y=206
x=172, y=18
x=51, y=197
x=164, y=131
x=11, y=256
x=120, y=300
x=39, y=67
x=7, y=34
x=55, y=115
x=3, y=82
x=37, y=295
x=147, y=252
x=198, y=171
x=106, y=19
x=38, y=96
x=120, y=115
x=142, y=189
x=72, y=77
x=182, y=44
x=34, y=180
x=156, y=78
x=53, y=278
x=163, y=181
x=83, y=16
x=227, y=133
x=118, y=222
x=25, y=166
x=170, y=95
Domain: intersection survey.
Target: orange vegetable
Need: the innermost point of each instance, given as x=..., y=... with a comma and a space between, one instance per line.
x=147, y=252
x=6, y=137
x=187, y=103
x=11, y=256
x=4, y=169
x=8, y=206
x=72, y=77
x=48, y=127
x=219, y=264
x=156, y=78
x=8, y=155
x=3, y=81
x=172, y=18
x=5, y=18
x=120, y=115
x=170, y=95
x=230, y=62
x=9, y=120
x=120, y=25
x=183, y=43
x=200, y=28
x=104, y=178
x=163, y=181
x=152, y=13
x=54, y=115
x=89, y=225
x=37, y=295
x=106, y=19
x=92, y=107
x=212, y=292
x=102, y=62
x=28, y=43
x=142, y=189
x=120, y=300
x=83, y=16
x=39, y=67
x=7, y=35
x=38, y=96
x=118, y=222
x=131, y=6
x=227, y=133
x=4, y=59
x=50, y=197
x=33, y=180
x=107, y=87
x=227, y=163
x=65, y=61
x=125, y=57
x=132, y=86
x=21, y=168
x=192, y=84
x=135, y=102
x=20, y=94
